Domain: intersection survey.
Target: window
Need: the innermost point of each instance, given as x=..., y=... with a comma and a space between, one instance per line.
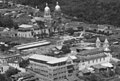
x=93, y=61
x=103, y=58
x=100, y=59
x=96, y=60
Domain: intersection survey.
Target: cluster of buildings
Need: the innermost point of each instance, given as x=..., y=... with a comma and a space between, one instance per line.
x=84, y=58
x=54, y=65
x=35, y=24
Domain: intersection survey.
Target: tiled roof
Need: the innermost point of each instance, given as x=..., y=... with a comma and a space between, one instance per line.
x=90, y=52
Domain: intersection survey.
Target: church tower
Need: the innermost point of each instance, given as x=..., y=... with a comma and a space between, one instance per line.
x=47, y=13
x=106, y=44
x=57, y=7
x=57, y=12
x=98, y=43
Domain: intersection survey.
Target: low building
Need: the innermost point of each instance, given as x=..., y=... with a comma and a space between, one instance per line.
x=102, y=27
x=3, y=68
x=32, y=45
x=29, y=31
x=54, y=69
x=8, y=33
x=9, y=58
x=24, y=77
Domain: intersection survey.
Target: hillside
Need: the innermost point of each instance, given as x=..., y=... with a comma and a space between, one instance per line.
x=92, y=11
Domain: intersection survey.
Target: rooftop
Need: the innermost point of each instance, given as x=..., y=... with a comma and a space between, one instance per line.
x=91, y=52
x=94, y=56
x=49, y=59
x=7, y=55
x=32, y=44
x=26, y=26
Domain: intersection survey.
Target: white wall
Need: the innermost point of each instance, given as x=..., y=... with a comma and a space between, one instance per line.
x=92, y=62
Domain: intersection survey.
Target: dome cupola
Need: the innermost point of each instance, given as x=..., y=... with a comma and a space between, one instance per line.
x=47, y=9
x=57, y=7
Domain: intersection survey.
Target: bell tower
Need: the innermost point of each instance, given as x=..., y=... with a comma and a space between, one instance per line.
x=57, y=11
x=106, y=43
x=98, y=43
x=47, y=13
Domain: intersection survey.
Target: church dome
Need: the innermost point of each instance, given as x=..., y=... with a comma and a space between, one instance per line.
x=57, y=7
x=47, y=9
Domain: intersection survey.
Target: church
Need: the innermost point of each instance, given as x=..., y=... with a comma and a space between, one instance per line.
x=40, y=25
x=95, y=56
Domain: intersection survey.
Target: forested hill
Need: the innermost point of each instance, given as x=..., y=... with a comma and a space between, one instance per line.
x=92, y=11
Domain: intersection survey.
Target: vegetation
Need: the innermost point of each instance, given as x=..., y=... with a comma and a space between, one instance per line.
x=6, y=21
x=95, y=11
x=4, y=78
x=11, y=71
x=24, y=63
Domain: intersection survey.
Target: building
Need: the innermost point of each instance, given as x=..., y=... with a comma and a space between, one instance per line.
x=32, y=45
x=3, y=68
x=47, y=13
x=57, y=12
x=94, y=58
x=24, y=77
x=54, y=69
x=28, y=31
x=6, y=58
x=11, y=33
x=94, y=55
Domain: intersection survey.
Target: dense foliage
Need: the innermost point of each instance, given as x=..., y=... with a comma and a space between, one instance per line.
x=6, y=21
x=92, y=11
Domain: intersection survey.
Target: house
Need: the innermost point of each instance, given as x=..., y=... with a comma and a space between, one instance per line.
x=29, y=31
x=3, y=68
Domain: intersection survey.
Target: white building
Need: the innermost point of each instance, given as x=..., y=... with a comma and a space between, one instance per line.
x=53, y=68
x=3, y=68
x=94, y=56
x=95, y=59
x=32, y=45
x=28, y=31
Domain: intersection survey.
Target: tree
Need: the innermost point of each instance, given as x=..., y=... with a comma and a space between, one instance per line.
x=95, y=11
x=70, y=31
x=24, y=63
x=6, y=21
x=66, y=49
x=2, y=78
x=117, y=70
x=11, y=71
x=95, y=77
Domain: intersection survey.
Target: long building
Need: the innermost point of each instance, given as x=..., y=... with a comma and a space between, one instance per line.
x=95, y=55
x=54, y=69
x=32, y=45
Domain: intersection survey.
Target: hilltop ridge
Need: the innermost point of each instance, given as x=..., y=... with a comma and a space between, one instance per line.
x=92, y=11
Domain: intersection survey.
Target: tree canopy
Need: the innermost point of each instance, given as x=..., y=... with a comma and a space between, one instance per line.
x=92, y=11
